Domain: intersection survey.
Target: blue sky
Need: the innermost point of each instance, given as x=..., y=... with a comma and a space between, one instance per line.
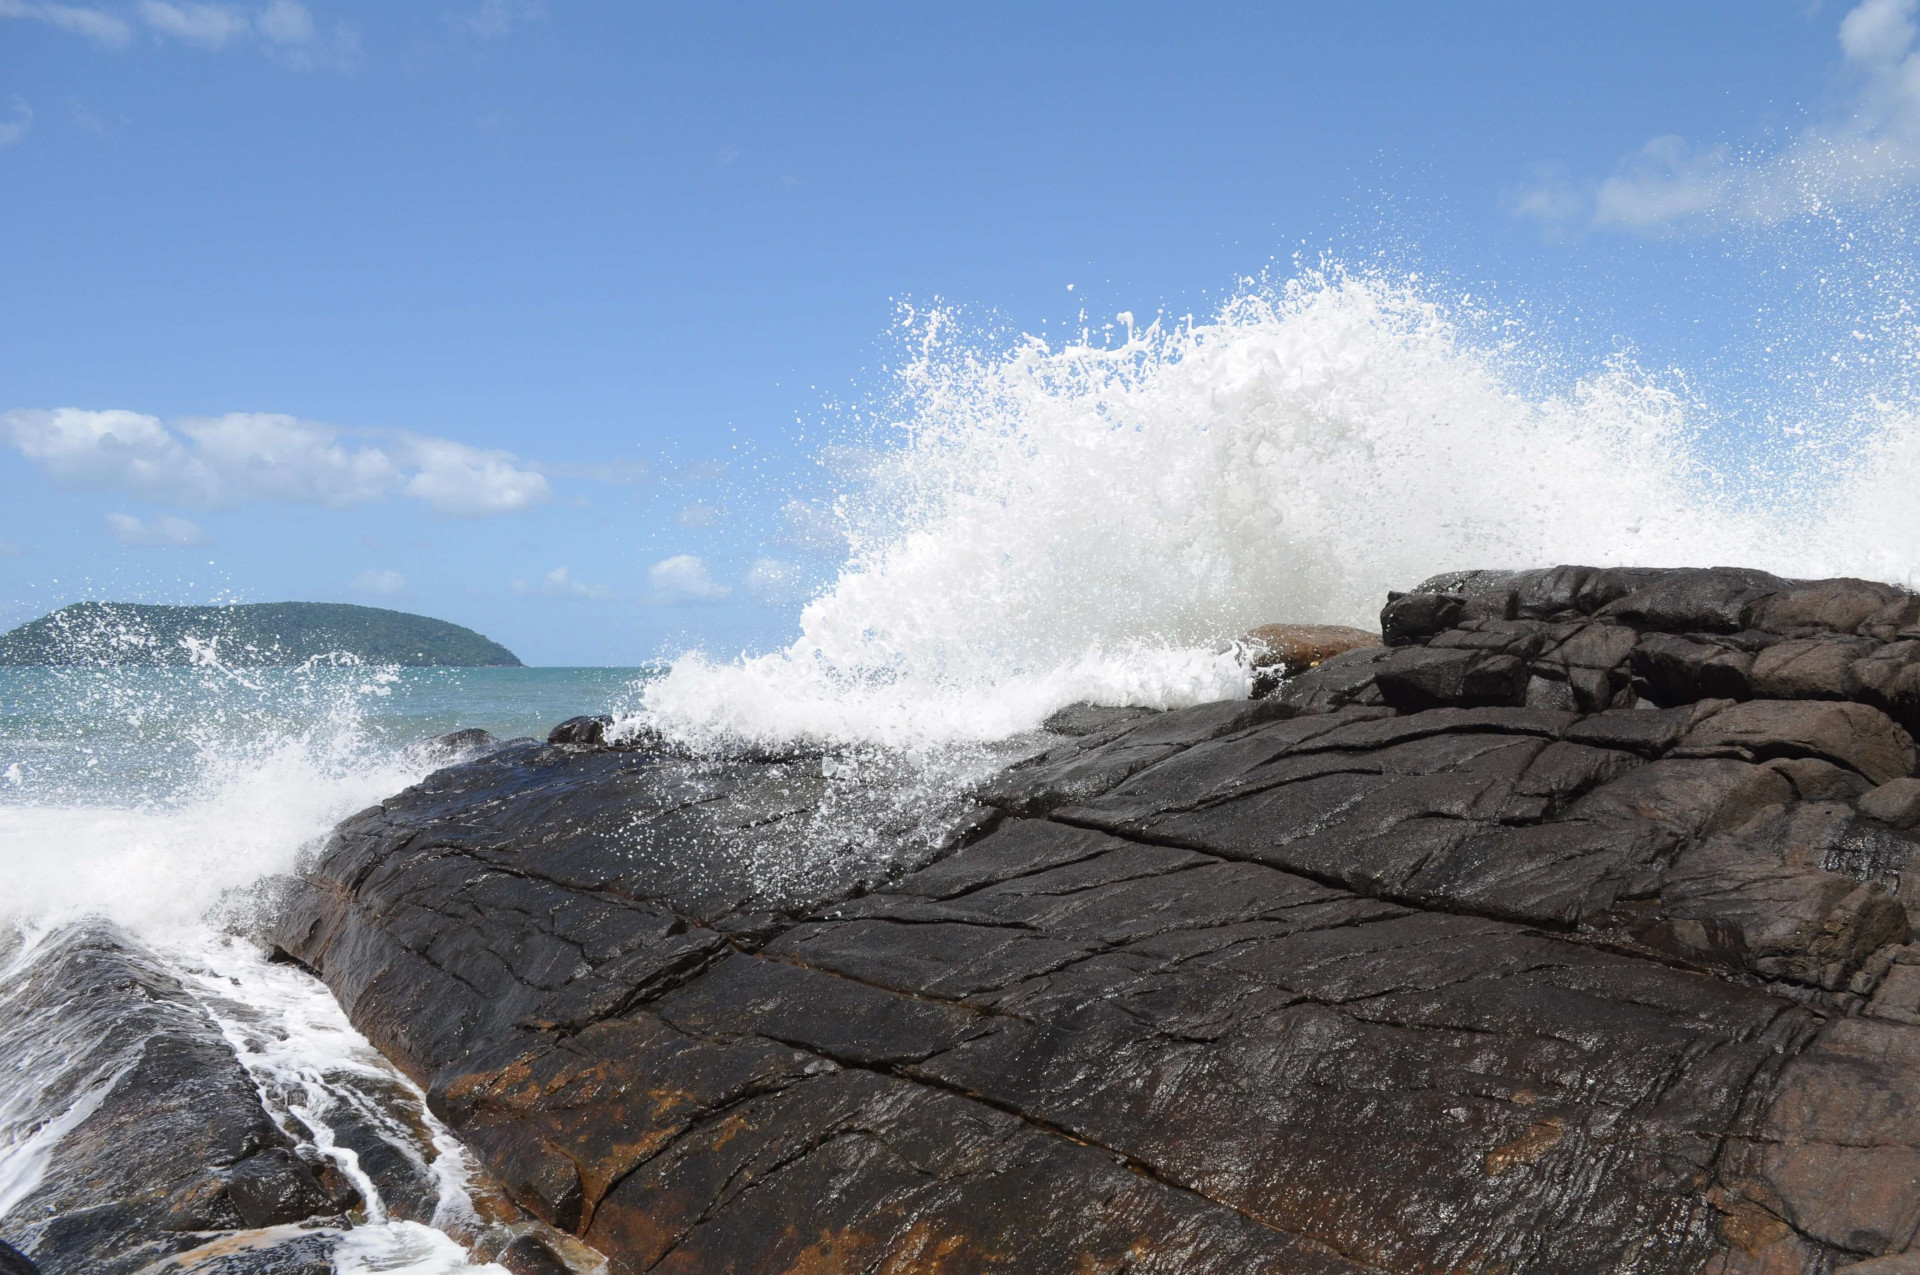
x=534, y=315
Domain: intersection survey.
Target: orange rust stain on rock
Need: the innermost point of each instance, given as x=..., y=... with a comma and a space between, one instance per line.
x=834, y=1253
x=1539, y=1138
x=925, y=1251
x=1748, y=1227
x=727, y=1130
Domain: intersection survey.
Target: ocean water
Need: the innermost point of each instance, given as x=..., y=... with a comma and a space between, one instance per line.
x=154, y=798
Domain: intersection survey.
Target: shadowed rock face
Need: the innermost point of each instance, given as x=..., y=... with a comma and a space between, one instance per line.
x=1569, y=932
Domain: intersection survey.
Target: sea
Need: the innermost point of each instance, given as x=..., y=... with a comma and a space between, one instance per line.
x=156, y=799
x=1030, y=523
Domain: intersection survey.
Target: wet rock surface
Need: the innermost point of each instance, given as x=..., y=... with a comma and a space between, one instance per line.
x=1571, y=930
x=158, y=1140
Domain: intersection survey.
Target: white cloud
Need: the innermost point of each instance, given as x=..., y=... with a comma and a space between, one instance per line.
x=700, y=514
x=284, y=28
x=248, y=457
x=18, y=127
x=495, y=19
x=1871, y=153
x=683, y=579
x=559, y=582
x=286, y=22
x=208, y=25
x=165, y=531
x=74, y=19
x=466, y=482
x=380, y=584
x=773, y=581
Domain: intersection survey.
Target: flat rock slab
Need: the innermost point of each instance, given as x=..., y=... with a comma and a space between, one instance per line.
x=1504, y=947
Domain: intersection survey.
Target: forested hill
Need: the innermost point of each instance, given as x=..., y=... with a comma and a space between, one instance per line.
x=257, y=634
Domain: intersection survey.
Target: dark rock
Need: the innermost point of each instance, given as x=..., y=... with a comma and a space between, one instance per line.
x=458, y=743
x=583, y=731
x=1889, y=679
x=1649, y=732
x=1893, y=621
x=528, y=1256
x=273, y=1187
x=14, y=1262
x=1442, y=958
x=1856, y=736
x=1708, y=600
x=1807, y=668
x=1895, y=802
x=1415, y=678
x=1415, y=617
x=146, y=1172
x=1815, y=780
x=1337, y=682
x=1095, y=763
x=1091, y=719
x=1829, y=606
x=1675, y=670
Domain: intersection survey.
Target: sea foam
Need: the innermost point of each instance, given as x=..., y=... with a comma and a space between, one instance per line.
x=1097, y=523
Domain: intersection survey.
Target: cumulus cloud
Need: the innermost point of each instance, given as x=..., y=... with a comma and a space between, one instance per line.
x=465, y=482
x=1869, y=154
x=683, y=579
x=380, y=584
x=495, y=19
x=286, y=22
x=164, y=532
x=772, y=581
x=73, y=19
x=560, y=583
x=249, y=457
x=208, y=25
x=19, y=126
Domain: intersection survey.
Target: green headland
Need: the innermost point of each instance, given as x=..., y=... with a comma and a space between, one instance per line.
x=262, y=633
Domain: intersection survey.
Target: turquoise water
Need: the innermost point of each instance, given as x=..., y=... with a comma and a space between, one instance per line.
x=139, y=736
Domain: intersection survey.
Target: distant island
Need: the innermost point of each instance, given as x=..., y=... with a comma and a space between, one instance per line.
x=257, y=634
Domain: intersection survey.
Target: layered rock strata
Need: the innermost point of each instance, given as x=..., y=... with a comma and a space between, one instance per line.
x=1569, y=931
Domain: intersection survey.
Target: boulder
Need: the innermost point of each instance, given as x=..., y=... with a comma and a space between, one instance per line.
x=1569, y=931
x=1278, y=651
x=586, y=732
x=1895, y=802
x=1857, y=736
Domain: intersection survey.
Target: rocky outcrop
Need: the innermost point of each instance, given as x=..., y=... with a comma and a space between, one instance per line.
x=1569, y=931
x=155, y=1138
